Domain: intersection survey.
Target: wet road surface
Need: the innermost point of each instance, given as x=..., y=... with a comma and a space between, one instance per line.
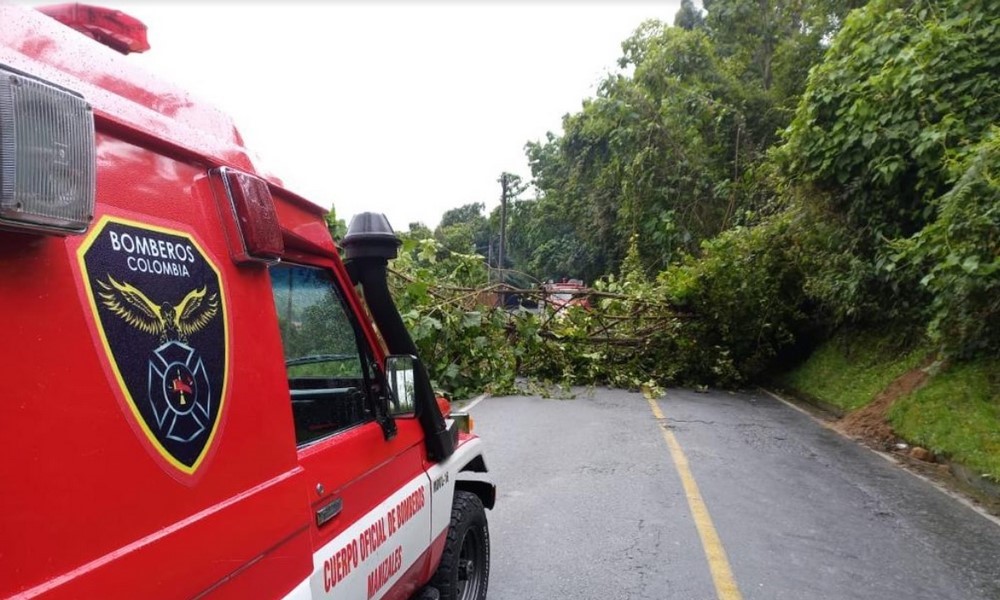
x=592, y=505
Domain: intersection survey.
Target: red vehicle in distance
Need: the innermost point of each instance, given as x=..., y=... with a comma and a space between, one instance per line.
x=566, y=293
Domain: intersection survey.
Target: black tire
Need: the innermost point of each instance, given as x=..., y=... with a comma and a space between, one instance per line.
x=464, y=572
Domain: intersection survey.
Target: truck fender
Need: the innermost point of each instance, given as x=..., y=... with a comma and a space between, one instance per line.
x=486, y=491
x=476, y=465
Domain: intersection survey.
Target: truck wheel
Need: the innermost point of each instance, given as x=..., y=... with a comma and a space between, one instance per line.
x=464, y=572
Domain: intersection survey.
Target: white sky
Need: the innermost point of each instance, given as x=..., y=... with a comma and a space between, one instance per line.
x=403, y=108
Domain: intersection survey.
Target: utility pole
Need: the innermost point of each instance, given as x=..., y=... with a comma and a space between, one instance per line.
x=510, y=188
x=504, y=187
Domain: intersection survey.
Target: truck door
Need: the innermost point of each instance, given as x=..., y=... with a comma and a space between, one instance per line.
x=369, y=496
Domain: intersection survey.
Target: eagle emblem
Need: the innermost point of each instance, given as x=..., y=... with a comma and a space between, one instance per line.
x=166, y=320
x=160, y=312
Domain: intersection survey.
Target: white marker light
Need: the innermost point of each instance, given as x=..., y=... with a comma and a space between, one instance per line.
x=47, y=156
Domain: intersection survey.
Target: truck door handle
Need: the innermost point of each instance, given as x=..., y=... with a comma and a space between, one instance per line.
x=329, y=511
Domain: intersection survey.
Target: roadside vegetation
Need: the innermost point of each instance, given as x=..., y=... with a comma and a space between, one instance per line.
x=755, y=180
x=850, y=369
x=956, y=415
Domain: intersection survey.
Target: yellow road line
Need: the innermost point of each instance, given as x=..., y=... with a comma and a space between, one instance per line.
x=718, y=564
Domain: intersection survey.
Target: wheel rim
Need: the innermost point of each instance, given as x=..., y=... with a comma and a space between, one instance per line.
x=470, y=566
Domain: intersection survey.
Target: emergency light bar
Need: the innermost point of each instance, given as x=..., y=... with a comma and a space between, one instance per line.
x=113, y=28
x=47, y=156
x=248, y=215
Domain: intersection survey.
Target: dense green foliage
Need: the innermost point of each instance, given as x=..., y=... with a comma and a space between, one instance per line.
x=471, y=343
x=958, y=255
x=673, y=148
x=746, y=289
x=464, y=229
x=753, y=179
x=883, y=132
x=905, y=87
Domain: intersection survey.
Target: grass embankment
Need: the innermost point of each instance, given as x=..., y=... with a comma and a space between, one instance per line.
x=850, y=369
x=955, y=414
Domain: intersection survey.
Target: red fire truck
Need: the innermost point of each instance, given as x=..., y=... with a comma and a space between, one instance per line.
x=200, y=399
x=566, y=293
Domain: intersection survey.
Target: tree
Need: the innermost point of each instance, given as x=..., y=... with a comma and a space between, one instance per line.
x=542, y=240
x=772, y=43
x=957, y=255
x=905, y=88
x=660, y=154
x=464, y=229
x=689, y=17
x=677, y=151
x=419, y=231
x=337, y=227
x=881, y=145
x=466, y=213
x=510, y=187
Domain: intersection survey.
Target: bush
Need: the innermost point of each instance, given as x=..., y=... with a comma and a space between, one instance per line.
x=746, y=291
x=957, y=256
x=905, y=86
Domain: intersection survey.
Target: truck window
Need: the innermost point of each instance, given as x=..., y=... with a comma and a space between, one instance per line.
x=326, y=364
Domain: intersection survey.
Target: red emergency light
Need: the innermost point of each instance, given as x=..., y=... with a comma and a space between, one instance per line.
x=248, y=215
x=113, y=28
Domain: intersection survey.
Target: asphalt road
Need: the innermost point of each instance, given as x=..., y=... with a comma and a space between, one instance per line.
x=591, y=506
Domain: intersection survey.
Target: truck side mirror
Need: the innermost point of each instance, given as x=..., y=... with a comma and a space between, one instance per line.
x=410, y=394
x=401, y=373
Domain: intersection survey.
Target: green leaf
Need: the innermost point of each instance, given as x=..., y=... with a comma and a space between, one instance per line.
x=472, y=319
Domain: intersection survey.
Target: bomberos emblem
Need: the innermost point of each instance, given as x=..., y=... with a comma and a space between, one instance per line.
x=160, y=311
